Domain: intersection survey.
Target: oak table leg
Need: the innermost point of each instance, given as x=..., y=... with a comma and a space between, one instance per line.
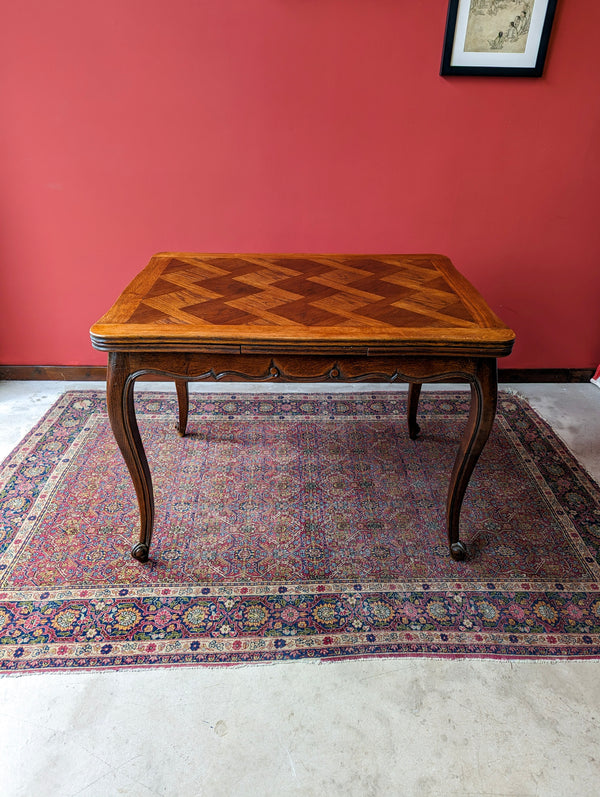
x=484, y=398
x=183, y=399
x=121, y=412
x=414, y=391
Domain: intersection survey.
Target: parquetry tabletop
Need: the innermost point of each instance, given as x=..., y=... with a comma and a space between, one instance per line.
x=414, y=302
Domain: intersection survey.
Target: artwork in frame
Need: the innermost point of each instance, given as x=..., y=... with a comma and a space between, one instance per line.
x=497, y=37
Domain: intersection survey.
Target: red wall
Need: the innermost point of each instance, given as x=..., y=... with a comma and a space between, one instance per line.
x=135, y=126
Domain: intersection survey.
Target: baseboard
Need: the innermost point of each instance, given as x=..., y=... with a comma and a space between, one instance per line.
x=97, y=373
x=545, y=374
x=59, y=373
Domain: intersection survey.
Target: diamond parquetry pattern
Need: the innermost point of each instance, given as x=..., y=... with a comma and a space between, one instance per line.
x=303, y=292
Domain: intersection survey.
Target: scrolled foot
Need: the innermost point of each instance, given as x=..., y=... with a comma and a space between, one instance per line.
x=413, y=430
x=140, y=552
x=179, y=430
x=458, y=551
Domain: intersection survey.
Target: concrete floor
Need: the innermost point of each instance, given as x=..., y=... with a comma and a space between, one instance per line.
x=376, y=727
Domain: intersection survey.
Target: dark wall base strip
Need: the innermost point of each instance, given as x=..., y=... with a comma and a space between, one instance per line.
x=74, y=373
x=97, y=373
x=545, y=374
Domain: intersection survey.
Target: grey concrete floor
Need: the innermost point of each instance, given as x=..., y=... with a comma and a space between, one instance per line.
x=370, y=727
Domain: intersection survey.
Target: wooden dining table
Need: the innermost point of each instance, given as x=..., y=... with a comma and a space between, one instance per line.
x=304, y=318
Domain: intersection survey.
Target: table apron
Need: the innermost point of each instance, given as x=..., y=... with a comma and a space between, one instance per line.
x=297, y=367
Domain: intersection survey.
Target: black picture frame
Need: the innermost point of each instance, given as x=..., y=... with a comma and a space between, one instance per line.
x=517, y=50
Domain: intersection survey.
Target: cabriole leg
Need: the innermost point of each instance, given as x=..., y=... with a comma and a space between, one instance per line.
x=183, y=399
x=121, y=412
x=414, y=391
x=484, y=398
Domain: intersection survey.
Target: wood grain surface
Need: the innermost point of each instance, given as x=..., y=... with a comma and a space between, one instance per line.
x=368, y=304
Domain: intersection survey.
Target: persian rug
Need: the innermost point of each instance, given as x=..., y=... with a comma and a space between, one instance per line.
x=293, y=526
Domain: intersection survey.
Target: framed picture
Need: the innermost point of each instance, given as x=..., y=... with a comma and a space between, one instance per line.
x=497, y=37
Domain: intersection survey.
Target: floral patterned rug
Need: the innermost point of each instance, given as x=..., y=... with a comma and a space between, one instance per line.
x=293, y=526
